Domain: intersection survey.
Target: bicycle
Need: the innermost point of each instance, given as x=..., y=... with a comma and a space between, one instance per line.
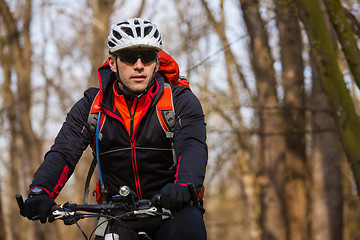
x=123, y=206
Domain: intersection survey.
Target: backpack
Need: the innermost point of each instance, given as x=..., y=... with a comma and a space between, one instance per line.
x=169, y=69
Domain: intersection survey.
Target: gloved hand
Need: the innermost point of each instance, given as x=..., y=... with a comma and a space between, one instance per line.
x=38, y=206
x=174, y=196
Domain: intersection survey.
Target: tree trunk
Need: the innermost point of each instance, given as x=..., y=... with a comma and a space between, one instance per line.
x=247, y=180
x=294, y=101
x=327, y=156
x=102, y=10
x=10, y=113
x=2, y=219
x=346, y=36
x=325, y=59
x=272, y=125
x=27, y=145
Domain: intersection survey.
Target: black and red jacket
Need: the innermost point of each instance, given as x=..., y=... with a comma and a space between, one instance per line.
x=137, y=155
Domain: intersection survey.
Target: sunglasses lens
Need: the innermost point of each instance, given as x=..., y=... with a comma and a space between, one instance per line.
x=126, y=56
x=132, y=56
x=148, y=56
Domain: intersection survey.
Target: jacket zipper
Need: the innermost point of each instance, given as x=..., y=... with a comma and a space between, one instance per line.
x=132, y=115
x=133, y=151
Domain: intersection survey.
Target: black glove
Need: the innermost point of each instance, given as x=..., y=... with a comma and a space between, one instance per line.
x=38, y=207
x=174, y=196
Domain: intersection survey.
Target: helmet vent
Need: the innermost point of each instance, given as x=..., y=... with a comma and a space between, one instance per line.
x=127, y=31
x=136, y=22
x=156, y=34
x=138, y=31
x=147, y=30
x=121, y=23
x=117, y=35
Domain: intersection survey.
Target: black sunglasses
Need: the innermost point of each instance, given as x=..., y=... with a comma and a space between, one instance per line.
x=131, y=56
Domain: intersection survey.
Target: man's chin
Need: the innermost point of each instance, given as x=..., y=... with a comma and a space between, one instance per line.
x=137, y=90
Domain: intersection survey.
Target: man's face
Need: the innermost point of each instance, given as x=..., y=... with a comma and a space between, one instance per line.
x=136, y=68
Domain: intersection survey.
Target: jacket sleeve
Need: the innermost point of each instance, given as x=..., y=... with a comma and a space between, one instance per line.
x=73, y=138
x=189, y=138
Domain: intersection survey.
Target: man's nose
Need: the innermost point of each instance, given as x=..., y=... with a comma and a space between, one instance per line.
x=139, y=63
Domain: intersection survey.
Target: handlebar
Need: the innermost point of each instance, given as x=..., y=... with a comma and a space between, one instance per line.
x=71, y=212
x=123, y=206
x=126, y=205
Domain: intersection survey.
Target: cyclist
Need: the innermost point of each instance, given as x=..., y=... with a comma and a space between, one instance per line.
x=133, y=147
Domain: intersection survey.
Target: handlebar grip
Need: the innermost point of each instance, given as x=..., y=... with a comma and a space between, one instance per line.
x=156, y=199
x=20, y=202
x=54, y=208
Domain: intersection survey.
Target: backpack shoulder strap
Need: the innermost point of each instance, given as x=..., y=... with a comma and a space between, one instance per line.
x=93, y=114
x=166, y=115
x=165, y=111
x=92, y=122
x=93, y=117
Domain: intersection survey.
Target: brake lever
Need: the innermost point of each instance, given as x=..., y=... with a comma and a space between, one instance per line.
x=61, y=213
x=148, y=211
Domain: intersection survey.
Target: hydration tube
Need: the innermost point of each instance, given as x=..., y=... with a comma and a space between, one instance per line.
x=97, y=151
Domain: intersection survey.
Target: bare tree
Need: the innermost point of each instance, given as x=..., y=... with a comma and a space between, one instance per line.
x=102, y=10
x=327, y=156
x=272, y=125
x=325, y=59
x=231, y=114
x=2, y=219
x=345, y=36
x=18, y=51
x=294, y=110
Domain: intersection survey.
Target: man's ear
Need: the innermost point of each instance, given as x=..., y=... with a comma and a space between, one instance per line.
x=157, y=63
x=112, y=63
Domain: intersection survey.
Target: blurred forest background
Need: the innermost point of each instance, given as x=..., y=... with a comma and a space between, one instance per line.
x=278, y=80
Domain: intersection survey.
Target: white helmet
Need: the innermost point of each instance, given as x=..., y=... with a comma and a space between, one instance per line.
x=134, y=32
